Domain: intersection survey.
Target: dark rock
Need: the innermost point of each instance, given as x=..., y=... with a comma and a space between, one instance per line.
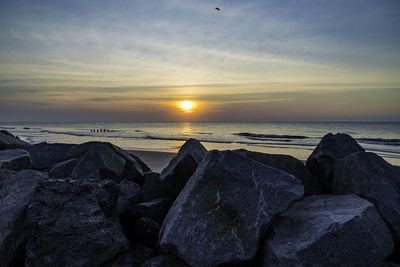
x=132, y=169
x=9, y=141
x=129, y=196
x=63, y=169
x=181, y=168
x=328, y=231
x=156, y=209
x=100, y=163
x=16, y=192
x=369, y=176
x=15, y=159
x=147, y=232
x=330, y=148
x=141, y=254
x=107, y=195
x=225, y=208
x=45, y=155
x=289, y=164
x=165, y=260
x=152, y=187
x=69, y=228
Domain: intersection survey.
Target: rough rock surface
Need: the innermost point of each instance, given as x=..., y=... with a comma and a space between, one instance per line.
x=165, y=260
x=16, y=191
x=225, y=208
x=129, y=196
x=147, y=231
x=9, y=141
x=63, y=169
x=132, y=170
x=15, y=159
x=181, y=168
x=156, y=209
x=100, y=162
x=69, y=228
x=45, y=155
x=289, y=164
x=328, y=230
x=152, y=187
x=330, y=148
x=107, y=195
x=369, y=176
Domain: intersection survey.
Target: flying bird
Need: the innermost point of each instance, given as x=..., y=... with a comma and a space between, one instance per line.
x=217, y=8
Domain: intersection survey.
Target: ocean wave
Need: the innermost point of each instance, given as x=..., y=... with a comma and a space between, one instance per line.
x=380, y=141
x=271, y=137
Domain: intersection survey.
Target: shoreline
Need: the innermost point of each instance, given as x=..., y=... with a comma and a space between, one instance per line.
x=156, y=160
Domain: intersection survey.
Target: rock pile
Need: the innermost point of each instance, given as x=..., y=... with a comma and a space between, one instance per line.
x=94, y=204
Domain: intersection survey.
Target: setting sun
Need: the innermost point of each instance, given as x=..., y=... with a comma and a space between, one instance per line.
x=187, y=105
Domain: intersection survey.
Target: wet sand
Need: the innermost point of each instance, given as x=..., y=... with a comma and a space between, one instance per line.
x=156, y=160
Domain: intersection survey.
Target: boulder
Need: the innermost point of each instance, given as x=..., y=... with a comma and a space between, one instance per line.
x=156, y=209
x=289, y=164
x=63, y=169
x=330, y=148
x=165, y=260
x=45, y=155
x=141, y=254
x=129, y=196
x=369, y=176
x=181, y=168
x=100, y=162
x=15, y=159
x=107, y=196
x=69, y=228
x=152, y=187
x=225, y=209
x=328, y=230
x=147, y=231
x=9, y=141
x=132, y=170
x=16, y=192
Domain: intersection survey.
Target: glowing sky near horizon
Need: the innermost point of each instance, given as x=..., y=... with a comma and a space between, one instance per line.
x=252, y=61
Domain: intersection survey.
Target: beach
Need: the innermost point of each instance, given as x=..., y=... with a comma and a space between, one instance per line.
x=156, y=160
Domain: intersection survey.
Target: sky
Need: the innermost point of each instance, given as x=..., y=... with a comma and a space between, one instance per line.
x=136, y=60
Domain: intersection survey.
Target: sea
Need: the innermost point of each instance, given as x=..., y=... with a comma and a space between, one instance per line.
x=292, y=138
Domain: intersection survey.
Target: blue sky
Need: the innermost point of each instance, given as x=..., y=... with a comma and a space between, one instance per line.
x=253, y=60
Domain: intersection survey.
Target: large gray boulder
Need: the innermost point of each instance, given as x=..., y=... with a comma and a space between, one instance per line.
x=155, y=209
x=225, y=208
x=15, y=159
x=181, y=168
x=328, y=230
x=16, y=192
x=130, y=195
x=369, y=176
x=45, y=155
x=330, y=148
x=9, y=141
x=62, y=169
x=69, y=228
x=132, y=169
x=100, y=162
x=289, y=164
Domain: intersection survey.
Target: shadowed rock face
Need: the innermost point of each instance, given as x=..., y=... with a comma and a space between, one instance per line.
x=369, y=176
x=328, y=230
x=62, y=169
x=225, y=208
x=289, y=164
x=15, y=159
x=110, y=157
x=69, y=228
x=16, y=192
x=180, y=168
x=9, y=141
x=45, y=155
x=330, y=148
